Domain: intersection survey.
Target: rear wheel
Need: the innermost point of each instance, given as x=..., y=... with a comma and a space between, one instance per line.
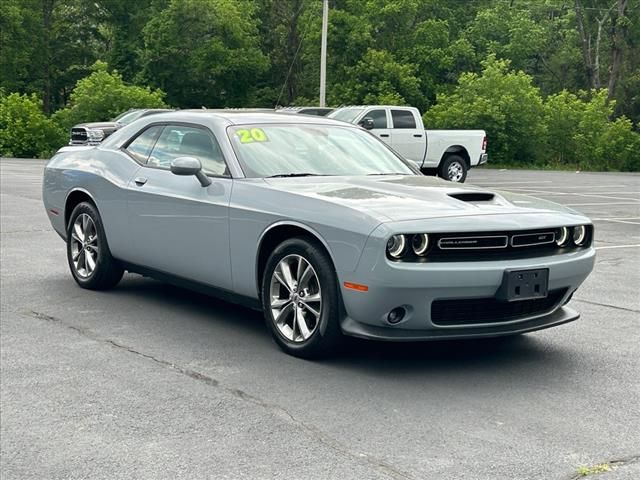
x=300, y=299
x=453, y=168
x=90, y=260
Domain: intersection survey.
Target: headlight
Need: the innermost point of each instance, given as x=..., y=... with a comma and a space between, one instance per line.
x=420, y=243
x=563, y=237
x=95, y=134
x=579, y=235
x=395, y=246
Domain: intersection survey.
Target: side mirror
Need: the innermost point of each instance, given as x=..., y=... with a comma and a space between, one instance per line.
x=366, y=123
x=190, y=166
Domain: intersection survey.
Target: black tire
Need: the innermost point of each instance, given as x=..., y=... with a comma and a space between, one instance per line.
x=326, y=337
x=107, y=272
x=453, y=168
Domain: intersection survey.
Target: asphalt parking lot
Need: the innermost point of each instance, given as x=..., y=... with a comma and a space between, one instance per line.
x=151, y=381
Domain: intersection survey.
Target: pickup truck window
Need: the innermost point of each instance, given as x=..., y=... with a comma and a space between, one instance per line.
x=379, y=118
x=403, y=119
x=346, y=114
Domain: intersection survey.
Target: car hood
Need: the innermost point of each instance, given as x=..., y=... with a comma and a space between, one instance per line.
x=99, y=125
x=393, y=198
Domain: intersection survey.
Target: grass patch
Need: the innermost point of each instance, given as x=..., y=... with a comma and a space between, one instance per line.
x=594, y=470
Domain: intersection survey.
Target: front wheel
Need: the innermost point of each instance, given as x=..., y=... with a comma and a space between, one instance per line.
x=300, y=299
x=90, y=260
x=453, y=168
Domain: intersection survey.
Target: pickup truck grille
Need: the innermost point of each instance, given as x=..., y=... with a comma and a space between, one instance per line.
x=79, y=136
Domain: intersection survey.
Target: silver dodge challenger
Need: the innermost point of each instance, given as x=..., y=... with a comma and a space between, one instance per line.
x=318, y=224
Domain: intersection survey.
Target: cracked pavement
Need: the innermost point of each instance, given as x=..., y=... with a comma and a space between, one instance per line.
x=152, y=381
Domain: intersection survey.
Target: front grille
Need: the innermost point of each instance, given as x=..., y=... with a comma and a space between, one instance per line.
x=490, y=310
x=78, y=136
x=500, y=245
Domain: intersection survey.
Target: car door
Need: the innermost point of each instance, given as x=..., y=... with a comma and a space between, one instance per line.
x=177, y=225
x=380, y=124
x=407, y=137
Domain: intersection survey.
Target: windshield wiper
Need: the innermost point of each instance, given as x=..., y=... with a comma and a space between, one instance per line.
x=285, y=175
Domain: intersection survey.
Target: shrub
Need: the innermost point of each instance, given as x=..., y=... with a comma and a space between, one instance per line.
x=580, y=132
x=24, y=130
x=502, y=102
x=103, y=95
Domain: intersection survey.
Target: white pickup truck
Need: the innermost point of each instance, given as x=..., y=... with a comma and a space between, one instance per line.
x=448, y=153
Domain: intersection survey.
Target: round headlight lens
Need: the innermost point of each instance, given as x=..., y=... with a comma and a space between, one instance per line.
x=579, y=235
x=563, y=236
x=395, y=246
x=420, y=243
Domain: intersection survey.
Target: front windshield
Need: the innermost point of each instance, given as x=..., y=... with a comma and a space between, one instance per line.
x=290, y=150
x=345, y=114
x=127, y=117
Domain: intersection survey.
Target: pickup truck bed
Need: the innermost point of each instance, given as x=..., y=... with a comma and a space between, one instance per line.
x=449, y=153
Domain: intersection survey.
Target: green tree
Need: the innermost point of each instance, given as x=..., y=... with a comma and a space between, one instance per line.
x=104, y=95
x=501, y=101
x=204, y=52
x=379, y=79
x=24, y=130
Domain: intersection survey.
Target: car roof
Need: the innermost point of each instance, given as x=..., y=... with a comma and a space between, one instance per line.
x=375, y=106
x=245, y=117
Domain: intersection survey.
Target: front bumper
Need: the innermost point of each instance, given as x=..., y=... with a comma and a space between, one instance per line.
x=415, y=286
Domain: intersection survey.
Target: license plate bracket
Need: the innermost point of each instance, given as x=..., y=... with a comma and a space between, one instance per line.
x=523, y=285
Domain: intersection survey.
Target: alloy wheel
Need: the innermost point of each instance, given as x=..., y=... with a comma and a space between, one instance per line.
x=455, y=172
x=295, y=298
x=84, y=245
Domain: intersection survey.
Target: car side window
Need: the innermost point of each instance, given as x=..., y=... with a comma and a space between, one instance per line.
x=141, y=146
x=403, y=119
x=379, y=118
x=182, y=141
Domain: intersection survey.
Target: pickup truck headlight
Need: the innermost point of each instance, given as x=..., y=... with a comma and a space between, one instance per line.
x=95, y=134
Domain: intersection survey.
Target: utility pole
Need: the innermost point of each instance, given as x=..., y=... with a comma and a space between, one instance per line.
x=323, y=53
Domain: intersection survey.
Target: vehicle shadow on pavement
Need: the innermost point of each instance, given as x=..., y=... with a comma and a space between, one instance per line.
x=219, y=318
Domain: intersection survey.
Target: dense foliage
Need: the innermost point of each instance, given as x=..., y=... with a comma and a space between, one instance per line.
x=24, y=130
x=553, y=82
x=103, y=95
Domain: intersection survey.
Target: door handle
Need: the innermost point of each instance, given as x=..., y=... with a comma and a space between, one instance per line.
x=417, y=135
x=140, y=181
x=385, y=135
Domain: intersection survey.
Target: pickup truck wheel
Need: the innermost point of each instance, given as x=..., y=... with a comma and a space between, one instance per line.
x=453, y=168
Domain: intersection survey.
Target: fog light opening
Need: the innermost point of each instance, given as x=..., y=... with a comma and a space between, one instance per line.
x=396, y=315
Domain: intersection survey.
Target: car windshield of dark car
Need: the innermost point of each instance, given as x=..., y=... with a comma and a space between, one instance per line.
x=128, y=117
x=345, y=114
x=287, y=150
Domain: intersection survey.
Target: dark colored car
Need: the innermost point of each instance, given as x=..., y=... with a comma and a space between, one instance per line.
x=95, y=132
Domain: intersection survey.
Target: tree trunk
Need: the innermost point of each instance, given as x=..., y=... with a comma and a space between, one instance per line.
x=618, y=34
x=585, y=37
x=47, y=17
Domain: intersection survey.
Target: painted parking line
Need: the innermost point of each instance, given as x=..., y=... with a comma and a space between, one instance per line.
x=567, y=187
x=586, y=195
x=614, y=221
x=533, y=182
x=618, y=246
x=596, y=204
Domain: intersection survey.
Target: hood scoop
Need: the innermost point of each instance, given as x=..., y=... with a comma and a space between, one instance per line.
x=472, y=196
